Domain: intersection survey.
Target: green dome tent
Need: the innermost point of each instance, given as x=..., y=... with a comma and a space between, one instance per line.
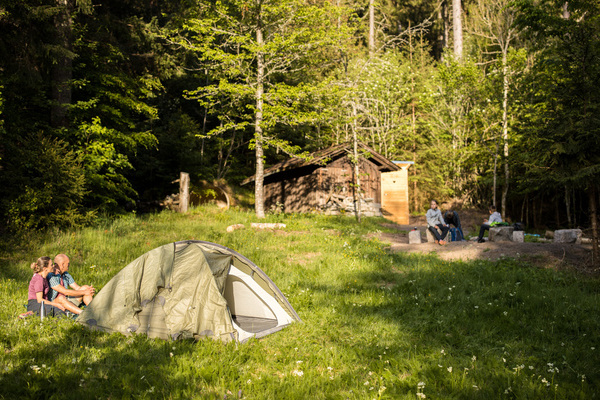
x=190, y=289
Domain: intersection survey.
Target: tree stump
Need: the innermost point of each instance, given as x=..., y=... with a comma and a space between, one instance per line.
x=184, y=192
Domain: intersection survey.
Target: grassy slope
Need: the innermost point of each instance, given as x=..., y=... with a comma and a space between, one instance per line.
x=375, y=325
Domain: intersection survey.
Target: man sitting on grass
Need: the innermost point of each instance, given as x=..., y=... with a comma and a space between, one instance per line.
x=60, y=281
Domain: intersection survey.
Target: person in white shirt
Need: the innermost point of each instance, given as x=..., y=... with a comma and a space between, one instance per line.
x=495, y=217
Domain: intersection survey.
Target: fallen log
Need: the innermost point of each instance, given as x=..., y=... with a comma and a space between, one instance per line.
x=266, y=225
x=232, y=228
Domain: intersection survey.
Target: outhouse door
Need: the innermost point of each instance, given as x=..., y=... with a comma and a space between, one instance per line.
x=394, y=195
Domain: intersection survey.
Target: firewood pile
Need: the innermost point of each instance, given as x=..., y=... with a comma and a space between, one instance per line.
x=338, y=204
x=171, y=202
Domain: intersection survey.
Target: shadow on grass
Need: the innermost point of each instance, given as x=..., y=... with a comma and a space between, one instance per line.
x=79, y=363
x=472, y=327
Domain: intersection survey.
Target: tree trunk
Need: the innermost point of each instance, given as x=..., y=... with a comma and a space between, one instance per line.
x=523, y=210
x=371, y=28
x=557, y=211
x=457, y=26
x=575, y=208
x=505, y=88
x=356, y=192
x=443, y=37
x=527, y=210
x=413, y=127
x=533, y=213
x=259, y=196
x=62, y=69
x=495, y=178
x=568, y=205
x=594, y=220
x=565, y=13
x=541, y=210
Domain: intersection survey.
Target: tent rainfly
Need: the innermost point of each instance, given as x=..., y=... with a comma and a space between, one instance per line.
x=190, y=289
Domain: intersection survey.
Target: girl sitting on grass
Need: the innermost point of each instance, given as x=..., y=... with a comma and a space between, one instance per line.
x=38, y=289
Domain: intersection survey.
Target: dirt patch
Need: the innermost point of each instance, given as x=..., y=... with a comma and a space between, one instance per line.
x=303, y=258
x=542, y=255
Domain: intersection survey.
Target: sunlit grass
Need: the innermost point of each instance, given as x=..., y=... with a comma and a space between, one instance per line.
x=375, y=324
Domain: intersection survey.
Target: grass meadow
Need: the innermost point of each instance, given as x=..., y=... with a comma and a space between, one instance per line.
x=376, y=325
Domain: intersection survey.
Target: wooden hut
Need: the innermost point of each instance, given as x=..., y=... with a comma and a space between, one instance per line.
x=324, y=182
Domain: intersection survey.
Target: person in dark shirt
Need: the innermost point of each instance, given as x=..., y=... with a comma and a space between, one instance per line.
x=452, y=218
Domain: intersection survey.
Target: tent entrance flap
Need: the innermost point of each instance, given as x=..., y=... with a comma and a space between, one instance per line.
x=253, y=324
x=252, y=308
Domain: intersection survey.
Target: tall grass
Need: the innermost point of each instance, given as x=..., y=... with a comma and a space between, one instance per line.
x=375, y=324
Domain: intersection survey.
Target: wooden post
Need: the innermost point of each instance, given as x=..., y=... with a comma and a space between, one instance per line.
x=184, y=192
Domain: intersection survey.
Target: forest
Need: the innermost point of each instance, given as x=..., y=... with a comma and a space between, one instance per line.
x=103, y=103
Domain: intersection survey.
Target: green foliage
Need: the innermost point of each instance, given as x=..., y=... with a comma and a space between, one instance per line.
x=223, y=38
x=457, y=105
x=157, y=88
x=375, y=324
x=47, y=185
x=562, y=126
x=104, y=166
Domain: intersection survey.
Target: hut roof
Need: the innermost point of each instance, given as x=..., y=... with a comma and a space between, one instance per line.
x=325, y=156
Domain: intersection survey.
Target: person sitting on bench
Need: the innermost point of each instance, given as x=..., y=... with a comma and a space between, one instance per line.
x=495, y=218
x=435, y=221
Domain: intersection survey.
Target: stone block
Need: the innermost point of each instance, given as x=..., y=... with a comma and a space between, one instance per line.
x=501, y=233
x=567, y=236
x=518, y=236
x=430, y=237
x=414, y=237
